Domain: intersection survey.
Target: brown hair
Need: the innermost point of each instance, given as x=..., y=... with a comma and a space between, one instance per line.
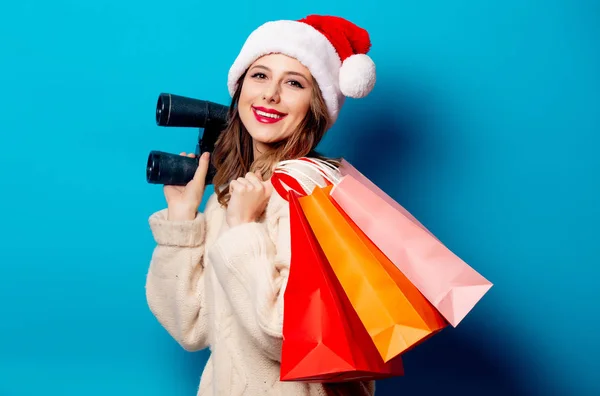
x=233, y=155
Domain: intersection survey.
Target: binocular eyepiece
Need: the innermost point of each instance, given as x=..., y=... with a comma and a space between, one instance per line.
x=180, y=111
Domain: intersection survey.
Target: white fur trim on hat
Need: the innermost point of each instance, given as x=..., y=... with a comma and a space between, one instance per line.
x=302, y=42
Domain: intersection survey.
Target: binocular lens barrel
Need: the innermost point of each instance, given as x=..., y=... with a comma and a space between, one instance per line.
x=181, y=111
x=175, y=110
x=170, y=169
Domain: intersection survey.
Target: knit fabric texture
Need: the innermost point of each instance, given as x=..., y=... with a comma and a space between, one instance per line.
x=212, y=286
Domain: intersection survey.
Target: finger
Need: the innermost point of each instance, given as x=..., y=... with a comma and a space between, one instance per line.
x=191, y=155
x=202, y=170
x=233, y=186
x=254, y=180
x=183, y=153
x=241, y=185
x=196, y=185
x=244, y=182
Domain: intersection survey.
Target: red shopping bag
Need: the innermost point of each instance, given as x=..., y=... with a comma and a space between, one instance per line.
x=323, y=338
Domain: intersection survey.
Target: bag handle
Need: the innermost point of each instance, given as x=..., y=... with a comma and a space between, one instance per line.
x=329, y=171
x=280, y=178
x=292, y=177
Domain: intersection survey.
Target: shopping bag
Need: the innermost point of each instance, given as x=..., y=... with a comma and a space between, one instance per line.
x=323, y=338
x=394, y=313
x=449, y=283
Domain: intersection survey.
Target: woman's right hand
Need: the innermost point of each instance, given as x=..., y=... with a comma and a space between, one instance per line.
x=183, y=201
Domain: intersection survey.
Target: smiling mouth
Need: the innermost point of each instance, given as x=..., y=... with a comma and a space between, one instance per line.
x=267, y=117
x=265, y=114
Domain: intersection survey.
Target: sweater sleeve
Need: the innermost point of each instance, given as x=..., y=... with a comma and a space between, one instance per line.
x=251, y=262
x=175, y=281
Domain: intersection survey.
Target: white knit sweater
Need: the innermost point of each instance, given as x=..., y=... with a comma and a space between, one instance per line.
x=218, y=287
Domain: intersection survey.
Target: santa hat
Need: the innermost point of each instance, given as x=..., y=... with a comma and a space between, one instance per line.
x=332, y=48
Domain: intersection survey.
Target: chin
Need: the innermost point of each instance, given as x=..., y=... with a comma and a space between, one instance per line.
x=264, y=139
x=267, y=134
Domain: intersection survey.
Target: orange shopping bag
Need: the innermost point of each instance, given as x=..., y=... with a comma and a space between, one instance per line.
x=396, y=315
x=392, y=310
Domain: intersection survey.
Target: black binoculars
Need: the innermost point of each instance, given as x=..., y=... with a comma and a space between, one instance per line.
x=180, y=111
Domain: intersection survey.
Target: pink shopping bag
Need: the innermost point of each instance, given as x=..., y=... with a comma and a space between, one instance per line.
x=450, y=284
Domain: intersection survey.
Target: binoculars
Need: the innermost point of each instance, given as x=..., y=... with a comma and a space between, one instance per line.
x=180, y=111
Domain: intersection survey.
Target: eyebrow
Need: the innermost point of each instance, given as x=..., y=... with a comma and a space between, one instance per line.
x=287, y=72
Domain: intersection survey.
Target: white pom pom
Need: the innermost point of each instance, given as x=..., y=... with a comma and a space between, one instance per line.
x=357, y=76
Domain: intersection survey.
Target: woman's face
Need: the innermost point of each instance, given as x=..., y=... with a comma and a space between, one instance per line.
x=275, y=98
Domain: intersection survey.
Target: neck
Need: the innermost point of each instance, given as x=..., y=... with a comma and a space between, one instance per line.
x=259, y=149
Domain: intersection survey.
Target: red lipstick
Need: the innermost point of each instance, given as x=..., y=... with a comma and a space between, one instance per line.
x=267, y=116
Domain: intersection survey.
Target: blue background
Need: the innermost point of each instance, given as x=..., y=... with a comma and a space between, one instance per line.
x=484, y=124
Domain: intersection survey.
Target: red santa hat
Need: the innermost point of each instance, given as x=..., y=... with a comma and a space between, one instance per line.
x=332, y=48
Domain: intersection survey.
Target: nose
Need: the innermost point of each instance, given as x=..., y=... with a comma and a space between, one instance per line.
x=271, y=92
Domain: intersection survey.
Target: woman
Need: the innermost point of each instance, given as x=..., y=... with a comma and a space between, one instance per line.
x=217, y=278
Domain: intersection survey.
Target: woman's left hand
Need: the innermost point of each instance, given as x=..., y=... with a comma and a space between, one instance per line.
x=249, y=198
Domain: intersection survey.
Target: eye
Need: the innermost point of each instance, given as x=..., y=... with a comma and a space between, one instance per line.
x=296, y=84
x=260, y=76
